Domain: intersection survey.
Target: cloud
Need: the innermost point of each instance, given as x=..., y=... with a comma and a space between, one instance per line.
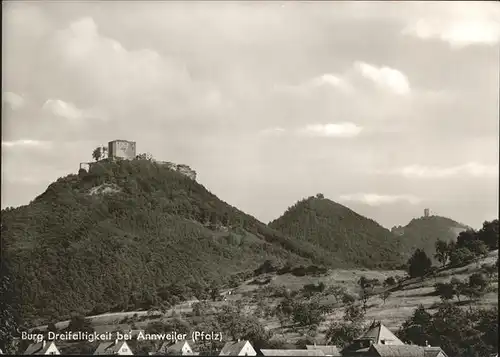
x=374, y=199
x=459, y=24
x=63, y=109
x=25, y=143
x=385, y=77
x=470, y=169
x=14, y=100
x=389, y=79
x=333, y=81
x=115, y=79
x=339, y=130
x=272, y=131
x=325, y=81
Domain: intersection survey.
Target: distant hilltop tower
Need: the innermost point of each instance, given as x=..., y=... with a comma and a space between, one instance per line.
x=122, y=149
x=426, y=212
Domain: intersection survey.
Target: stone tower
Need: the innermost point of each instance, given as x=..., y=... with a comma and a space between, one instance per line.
x=426, y=212
x=122, y=149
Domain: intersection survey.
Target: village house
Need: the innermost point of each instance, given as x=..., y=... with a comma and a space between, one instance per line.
x=434, y=352
x=180, y=348
x=42, y=348
x=379, y=341
x=331, y=351
x=292, y=352
x=239, y=348
x=377, y=334
x=115, y=347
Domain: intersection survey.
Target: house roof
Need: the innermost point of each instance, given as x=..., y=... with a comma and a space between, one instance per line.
x=398, y=350
x=433, y=351
x=327, y=350
x=292, y=352
x=177, y=347
x=38, y=348
x=378, y=333
x=109, y=347
x=232, y=348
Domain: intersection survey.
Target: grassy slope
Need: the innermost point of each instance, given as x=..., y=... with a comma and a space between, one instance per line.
x=340, y=231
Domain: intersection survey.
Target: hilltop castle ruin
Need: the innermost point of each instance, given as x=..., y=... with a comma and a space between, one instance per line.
x=126, y=150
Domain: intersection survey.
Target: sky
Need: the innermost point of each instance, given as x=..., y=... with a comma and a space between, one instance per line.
x=385, y=107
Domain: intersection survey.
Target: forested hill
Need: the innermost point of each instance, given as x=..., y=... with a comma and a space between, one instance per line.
x=127, y=234
x=423, y=233
x=341, y=232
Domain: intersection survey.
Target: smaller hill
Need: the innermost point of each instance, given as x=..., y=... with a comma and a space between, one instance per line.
x=422, y=233
x=354, y=240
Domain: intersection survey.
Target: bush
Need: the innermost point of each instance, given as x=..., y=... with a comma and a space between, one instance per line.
x=266, y=267
x=461, y=256
x=79, y=323
x=348, y=299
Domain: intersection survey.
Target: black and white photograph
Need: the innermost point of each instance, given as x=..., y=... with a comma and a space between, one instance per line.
x=250, y=178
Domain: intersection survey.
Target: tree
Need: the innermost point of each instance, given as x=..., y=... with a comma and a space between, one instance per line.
x=307, y=314
x=465, y=238
x=214, y=292
x=489, y=234
x=475, y=288
x=452, y=245
x=490, y=270
x=419, y=264
x=363, y=282
x=80, y=323
x=200, y=308
x=320, y=195
x=458, y=287
x=478, y=248
x=354, y=314
x=478, y=282
x=51, y=327
x=385, y=295
x=213, y=220
x=285, y=307
x=8, y=321
x=442, y=252
x=364, y=295
x=417, y=328
x=225, y=219
x=390, y=281
x=341, y=334
x=461, y=256
x=348, y=299
x=457, y=332
x=445, y=291
x=97, y=153
x=252, y=330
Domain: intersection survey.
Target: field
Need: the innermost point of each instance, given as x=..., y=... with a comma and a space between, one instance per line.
x=396, y=309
